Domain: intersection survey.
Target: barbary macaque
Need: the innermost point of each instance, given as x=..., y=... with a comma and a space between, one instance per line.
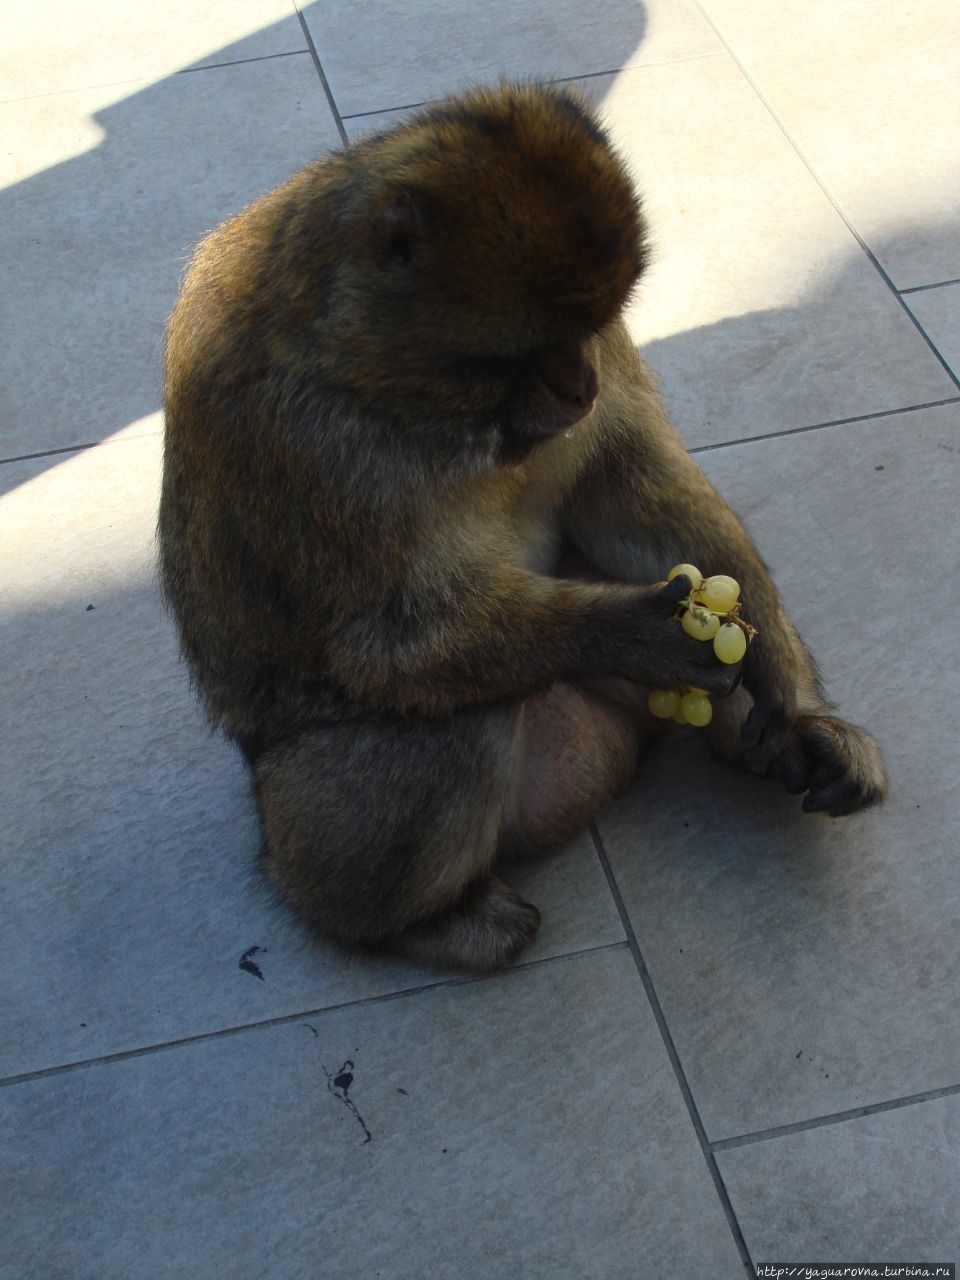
x=418, y=493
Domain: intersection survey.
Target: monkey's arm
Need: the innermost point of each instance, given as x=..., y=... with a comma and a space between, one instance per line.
x=495, y=632
x=643, y=505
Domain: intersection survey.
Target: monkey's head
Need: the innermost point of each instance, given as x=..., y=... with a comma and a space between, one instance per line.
x=498, y=234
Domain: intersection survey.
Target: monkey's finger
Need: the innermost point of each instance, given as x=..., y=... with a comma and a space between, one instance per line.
x=752, y=728
x=796, y=779
x=701, y=668
x=829, y=782
x=792, y=767
x=763, y=733
x=838, y=798
x=833, y=786
x=849, y=788
x=670, y=596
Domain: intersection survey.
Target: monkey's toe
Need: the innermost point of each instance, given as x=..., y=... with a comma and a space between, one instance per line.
x=485, y=930
x=842, y=796
x=847, y=770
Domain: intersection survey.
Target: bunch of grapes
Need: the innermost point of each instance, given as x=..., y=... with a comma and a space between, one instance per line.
x=710, y=612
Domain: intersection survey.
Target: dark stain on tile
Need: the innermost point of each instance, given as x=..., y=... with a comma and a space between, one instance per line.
x=247, y=964
x=338, y=1083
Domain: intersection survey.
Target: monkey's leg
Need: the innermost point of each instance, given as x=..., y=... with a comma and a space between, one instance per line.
x=578, y=747
x=837, y=764
x=385, y=832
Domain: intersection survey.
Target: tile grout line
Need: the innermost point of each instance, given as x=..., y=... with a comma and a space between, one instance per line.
x=382, y=111
x=667, y=1038
x=331, y=102
x=871, y=256
x=241, y=62
x=922, y=288
x=79, y=448
x=586, y=75
x=836, y=1117
x=700, y=448
x=637, y=66
x=223, y=1033
x=821, y=426
x=51, y=453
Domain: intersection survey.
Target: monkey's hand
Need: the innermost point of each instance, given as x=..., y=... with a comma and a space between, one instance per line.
x=663, y=655
x=765, y=731
x=838, y=765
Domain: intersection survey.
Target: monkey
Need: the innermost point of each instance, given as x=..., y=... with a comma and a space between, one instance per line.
x=419, y=492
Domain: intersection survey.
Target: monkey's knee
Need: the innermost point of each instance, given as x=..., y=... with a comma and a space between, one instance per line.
x=371, y=831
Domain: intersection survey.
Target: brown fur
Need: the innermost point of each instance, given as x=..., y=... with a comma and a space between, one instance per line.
x=401, y=406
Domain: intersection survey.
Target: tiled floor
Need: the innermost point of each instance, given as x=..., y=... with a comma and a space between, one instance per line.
x=737, y=1038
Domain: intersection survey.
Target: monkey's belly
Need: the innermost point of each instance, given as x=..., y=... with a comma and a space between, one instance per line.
x=576, y=750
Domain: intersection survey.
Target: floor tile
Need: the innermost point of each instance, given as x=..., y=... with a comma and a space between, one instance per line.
x=526, y=1126
x=808, y=965
x=106, y=192
x=760, y=312
x=129, y=891
x=885, y=1186
x=53, y=45
x=938, y=310
x=869, y=91
x=386, y=54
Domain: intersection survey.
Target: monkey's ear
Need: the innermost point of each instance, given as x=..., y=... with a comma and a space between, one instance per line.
x=398, y=231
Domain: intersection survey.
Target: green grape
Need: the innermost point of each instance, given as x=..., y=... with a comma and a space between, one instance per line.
x=696, y=709
x=700, y=624
x=730, y=644
x=663, y=703
x=679, y=716
x=693, y=573
x=719, y=592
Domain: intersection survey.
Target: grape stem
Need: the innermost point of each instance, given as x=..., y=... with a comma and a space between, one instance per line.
x=733, y=615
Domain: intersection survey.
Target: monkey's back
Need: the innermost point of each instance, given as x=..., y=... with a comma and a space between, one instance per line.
x=328, y=426
x=249, y=552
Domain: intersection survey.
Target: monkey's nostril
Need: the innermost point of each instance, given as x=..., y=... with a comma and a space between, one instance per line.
x=580, y=387
x=569, y=374
x=582, y=397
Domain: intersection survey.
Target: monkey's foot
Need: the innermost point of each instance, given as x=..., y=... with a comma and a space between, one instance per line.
x=837, y=764
x=485, y=930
